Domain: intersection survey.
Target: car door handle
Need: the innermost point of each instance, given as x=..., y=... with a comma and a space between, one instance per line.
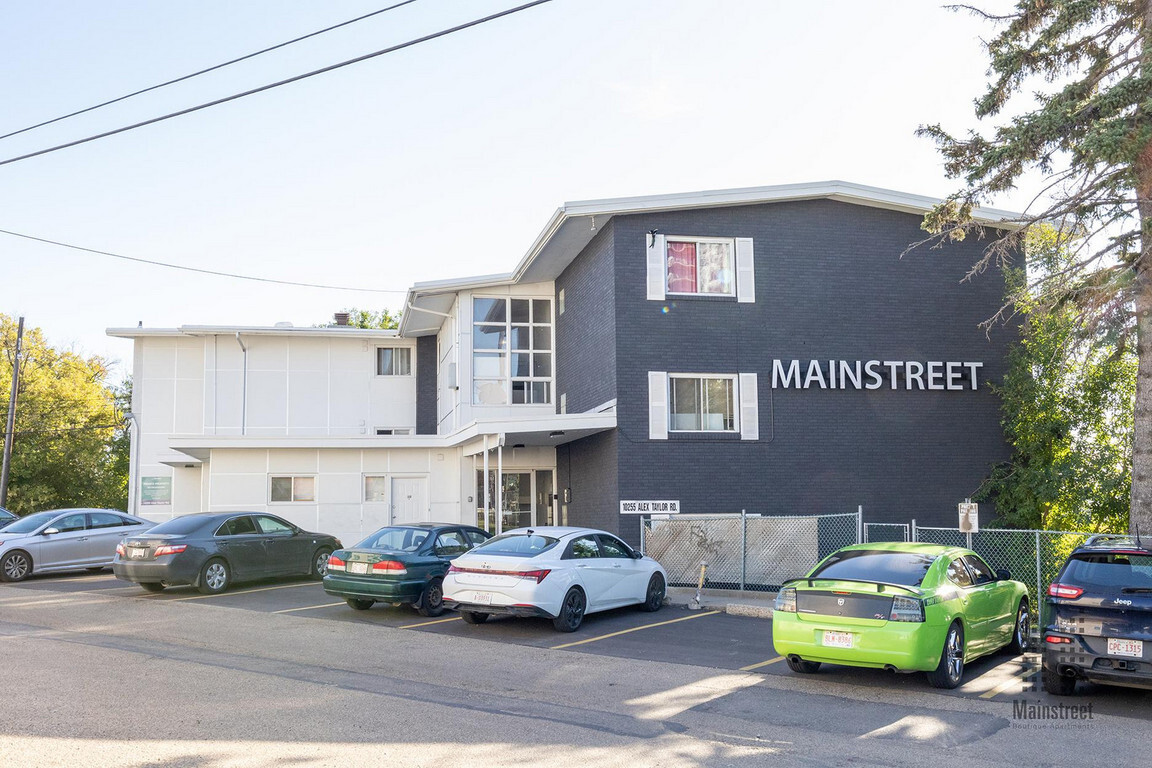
x=82, y=538
x=617, y=565
x=582, y=565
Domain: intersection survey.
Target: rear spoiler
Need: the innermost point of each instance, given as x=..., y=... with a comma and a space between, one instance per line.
x=878, y=584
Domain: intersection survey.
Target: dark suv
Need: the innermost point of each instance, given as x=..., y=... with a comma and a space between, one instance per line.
x=1100, y=616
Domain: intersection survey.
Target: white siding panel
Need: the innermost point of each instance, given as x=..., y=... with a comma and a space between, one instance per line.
x=657, y=405
x=749, y=408
x=657, y=284
x=745, y=271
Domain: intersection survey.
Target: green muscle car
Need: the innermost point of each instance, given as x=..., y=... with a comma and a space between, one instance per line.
x=902, y=607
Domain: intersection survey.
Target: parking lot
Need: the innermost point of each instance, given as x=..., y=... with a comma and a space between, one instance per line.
x=673, y=635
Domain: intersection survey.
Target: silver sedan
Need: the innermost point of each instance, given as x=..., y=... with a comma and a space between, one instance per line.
x=64, y=540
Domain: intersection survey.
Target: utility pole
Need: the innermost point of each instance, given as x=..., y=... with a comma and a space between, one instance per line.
x=10, y=430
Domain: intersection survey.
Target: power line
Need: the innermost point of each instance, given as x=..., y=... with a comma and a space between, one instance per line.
x=197, y=269
x=313, y=73
x=206, y=71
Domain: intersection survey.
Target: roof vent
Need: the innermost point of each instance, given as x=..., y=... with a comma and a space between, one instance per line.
x=342, y=318
x=283, y=324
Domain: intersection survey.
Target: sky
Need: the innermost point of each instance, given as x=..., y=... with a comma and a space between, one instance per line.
x=442, y=160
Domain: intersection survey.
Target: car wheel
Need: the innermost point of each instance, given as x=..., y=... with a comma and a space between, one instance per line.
x=359, y=605
x=571, y=611
x=471, y=617
x=654, y=599
x=1056, y=683
x=153, y=586
x=214, y=577
x=320, y=563
x=1020, y=633
x=950, y=671
x=431, y=602
x=16, y=566
x=803, y=667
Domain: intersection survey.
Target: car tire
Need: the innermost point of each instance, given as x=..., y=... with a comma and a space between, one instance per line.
x=950, y=671
x=319, y=567
x=215, y=577
x=1056, y=683
x=431, y=602
x=1021, y=631
x=803, y=667
x=654, y=597
x=359, y=605
x=571, y=611
x=152, y=586
x=16, y=566
x=471, y=617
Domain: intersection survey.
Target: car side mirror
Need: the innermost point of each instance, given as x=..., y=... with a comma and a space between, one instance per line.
x=49, y=531
x=637, y=555
x=1002, y=574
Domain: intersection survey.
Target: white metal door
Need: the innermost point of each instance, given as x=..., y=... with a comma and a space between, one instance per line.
x=409, y=499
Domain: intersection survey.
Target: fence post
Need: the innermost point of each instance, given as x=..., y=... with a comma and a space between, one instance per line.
x=643, y=525
x=743, y=547
x=1039, y=587
x=859, y=523
x=914, y=530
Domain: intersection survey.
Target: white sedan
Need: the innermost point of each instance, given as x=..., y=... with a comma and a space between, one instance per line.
x=551, y=571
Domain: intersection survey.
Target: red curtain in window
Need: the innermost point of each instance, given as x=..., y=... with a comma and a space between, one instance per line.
x=682, y=267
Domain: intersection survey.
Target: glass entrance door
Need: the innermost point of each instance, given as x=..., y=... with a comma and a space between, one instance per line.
x=527, y=500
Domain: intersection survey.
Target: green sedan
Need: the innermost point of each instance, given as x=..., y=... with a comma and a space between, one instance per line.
x=400, y=564
x=901, y=607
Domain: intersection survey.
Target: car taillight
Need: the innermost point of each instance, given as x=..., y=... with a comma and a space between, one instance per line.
x=390, y=566
x=170, y=549
x=538, y=575
x=454, y=569
x=786, y=600
x=119, y=548
x=1056, y=640
x=1065, y=591
x=906, y=609
x=336, y=564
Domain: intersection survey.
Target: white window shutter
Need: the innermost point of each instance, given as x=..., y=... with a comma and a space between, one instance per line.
x=749, y=408
x=657, y=405
x=657, y=284
x=745, y=271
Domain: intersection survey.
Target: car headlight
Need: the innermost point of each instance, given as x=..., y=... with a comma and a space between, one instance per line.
x=786, y=600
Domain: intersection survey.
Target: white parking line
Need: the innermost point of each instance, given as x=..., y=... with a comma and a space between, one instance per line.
x=309, y=607
x=1016, y=678
x=244, y=591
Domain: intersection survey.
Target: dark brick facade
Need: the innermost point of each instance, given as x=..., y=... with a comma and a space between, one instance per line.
x=426, y=385
x=830, y=285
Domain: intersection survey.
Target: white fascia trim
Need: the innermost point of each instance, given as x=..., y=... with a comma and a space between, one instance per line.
x=255, y=330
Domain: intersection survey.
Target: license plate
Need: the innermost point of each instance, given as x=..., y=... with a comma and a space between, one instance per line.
x=137, y=552
x=838, y=639
x=1118, y=647
x=483, y=598
x=357, y=567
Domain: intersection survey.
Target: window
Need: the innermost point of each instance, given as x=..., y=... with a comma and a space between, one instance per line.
x=981, y=573
x=701, y=265
x=614, y=548
x=375, y=488
x=517, y=545
x=450, y=544
x=395, y=539
x=73, y=522
x=958, y=574
x=274, y=525
x=701, y=404
x=393, y=361
x=293, y=488
x=511, y=351
x=908, y=568
x=106, y=520
x=583, y=547
x=476, y=537
x=393, y=430
x=237, y=526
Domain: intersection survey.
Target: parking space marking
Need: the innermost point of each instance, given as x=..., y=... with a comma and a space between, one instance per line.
x=45, y=601
x=309, y=607
x=240, y=592
x=634, y=629
x=1008, y=683
x=750, y=667
x=426, y=623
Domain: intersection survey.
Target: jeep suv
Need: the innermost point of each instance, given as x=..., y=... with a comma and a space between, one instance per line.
x=1100, y=617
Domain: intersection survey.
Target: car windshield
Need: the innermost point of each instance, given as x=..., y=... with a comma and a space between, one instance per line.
x=908, y=568
x=1112, y=571
x=395, y=539
x=31, y=522
x=517, y=545
x=180, y=526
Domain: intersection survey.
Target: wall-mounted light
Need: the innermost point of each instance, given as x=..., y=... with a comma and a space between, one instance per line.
x=556, y=433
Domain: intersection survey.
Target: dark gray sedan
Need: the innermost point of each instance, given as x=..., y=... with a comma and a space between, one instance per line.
x=211, y=550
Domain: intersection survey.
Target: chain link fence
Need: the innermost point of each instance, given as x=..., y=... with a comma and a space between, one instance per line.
x=885, y=531
x=1033, y=557
x=746, y=552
